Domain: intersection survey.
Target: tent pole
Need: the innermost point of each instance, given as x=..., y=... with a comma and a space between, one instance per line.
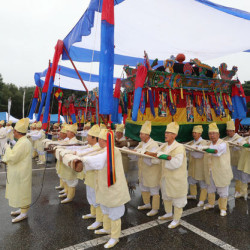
x=76, y=70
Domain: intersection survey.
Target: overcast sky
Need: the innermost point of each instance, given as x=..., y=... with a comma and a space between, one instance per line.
x=29, y=30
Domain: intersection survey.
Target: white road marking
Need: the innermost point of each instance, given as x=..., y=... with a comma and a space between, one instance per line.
x=154, y=223
x=206, y=236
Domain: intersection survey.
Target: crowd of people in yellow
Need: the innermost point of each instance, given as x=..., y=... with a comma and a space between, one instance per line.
x=173, y=168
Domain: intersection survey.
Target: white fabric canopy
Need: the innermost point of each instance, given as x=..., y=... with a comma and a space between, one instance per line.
x=198, y=28
x=168, y=27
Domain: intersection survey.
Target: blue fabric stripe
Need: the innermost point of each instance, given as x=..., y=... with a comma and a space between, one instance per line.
x=114, y=115
x=64, y=71
x=120, y=118
x=73, y=118
x=33, y=107
x=239, y=107
x=106, y=69
x=84, y=25
x=68, y=72
x=245, y=121
x=136, y=103
x=228, y=10
x=47, y=103
x=41, y=107
x=85, y=55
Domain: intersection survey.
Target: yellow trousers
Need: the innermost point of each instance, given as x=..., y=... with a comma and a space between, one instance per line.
x=99, y=215
x=145, y=197
x=24, y=210
x=116, y=228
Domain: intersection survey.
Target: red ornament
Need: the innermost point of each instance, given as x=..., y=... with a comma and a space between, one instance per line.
x=180, y=58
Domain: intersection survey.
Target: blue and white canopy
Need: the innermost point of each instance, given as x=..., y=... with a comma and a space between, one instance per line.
x=4, y=116
x=198, y=28
x=67, y=78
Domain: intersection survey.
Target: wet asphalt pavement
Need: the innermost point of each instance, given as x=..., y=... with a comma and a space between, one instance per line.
x=52, y=225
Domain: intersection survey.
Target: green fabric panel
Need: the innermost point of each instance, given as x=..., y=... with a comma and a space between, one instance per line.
x=113, y=126
x=246, y=145
x=163, y=157
x=158, y=132
x=211, y=151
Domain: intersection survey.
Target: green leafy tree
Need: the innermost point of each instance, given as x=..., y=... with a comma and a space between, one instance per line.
x=16, y=94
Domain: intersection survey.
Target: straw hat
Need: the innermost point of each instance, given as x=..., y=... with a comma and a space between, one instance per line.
x=103, y=134
x=87, y=125
x=72, y=128
x=119, y=128
x=213, y=127
x=94, y=131
x=22, y=125
x=39, y=124
x=146, y=128
x=103, y=126
x=230, y=125
x=198, y=129
x=173, y=127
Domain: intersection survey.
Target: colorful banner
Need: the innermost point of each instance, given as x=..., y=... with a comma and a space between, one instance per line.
x=57, y=55
x=106, y=68
x=34, y=103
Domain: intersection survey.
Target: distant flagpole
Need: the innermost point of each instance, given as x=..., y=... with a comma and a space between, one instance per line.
x=23, y=102
x=9, y=107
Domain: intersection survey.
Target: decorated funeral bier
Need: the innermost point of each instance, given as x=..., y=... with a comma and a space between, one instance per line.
x=189, y=93
x=83, y=109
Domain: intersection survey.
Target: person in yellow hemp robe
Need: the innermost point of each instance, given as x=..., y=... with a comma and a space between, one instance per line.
x=19, y=172
x=3, y=138
x=244, y=168
x=174, y=176
x=235, y=153
x=67, y=174
x=31, y=132
x=149, y=173
x=218, y=171
x=9, y=131
x=196, y=167
x=113, y=198
x=38, y=138
x=74, y=154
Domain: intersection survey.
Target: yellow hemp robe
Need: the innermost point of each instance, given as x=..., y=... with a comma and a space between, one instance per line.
x=196, y=165
x=39, y=142
x=90, y=176
x=115, y=195
x=235, y=154
x=34, y=143
x=64, y=171
x=19, y=173
x=244, y=161
x=175, y=179
x=150, y=174
x=220, y=167
x=10, y=135
x=125, y=158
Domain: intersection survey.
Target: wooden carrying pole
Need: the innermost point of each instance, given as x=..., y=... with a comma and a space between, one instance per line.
x=127, y=151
